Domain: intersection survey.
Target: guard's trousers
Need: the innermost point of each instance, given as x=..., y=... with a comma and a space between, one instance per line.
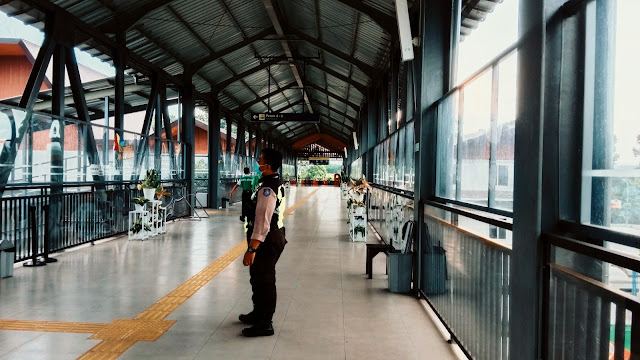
x=263, y=274
x=246, y=202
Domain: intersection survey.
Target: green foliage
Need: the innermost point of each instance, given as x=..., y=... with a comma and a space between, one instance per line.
x=316, y=172
x=152, y=180
x=359, y=229
x=137, y=226
x=201, y=169
x=140, y=200
x=333, y=169
x=627, y=191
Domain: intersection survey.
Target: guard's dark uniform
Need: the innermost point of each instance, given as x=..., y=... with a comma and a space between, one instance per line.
x=246, y=182
x=263, y=269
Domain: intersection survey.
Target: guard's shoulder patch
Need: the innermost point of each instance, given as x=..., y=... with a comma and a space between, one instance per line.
x=267, y=192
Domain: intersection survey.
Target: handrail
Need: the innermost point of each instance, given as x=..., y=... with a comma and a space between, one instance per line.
x=79, y=122
x=501, y=223
x=503, y=213
x=599, y=232
x=488, y=241
x=404, y=193
x=78, y=184
x=628, y=261
x=607, y=292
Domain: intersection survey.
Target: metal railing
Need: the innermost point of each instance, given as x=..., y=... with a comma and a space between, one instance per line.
x=81, y=214
x=466, y=280
x=388, y=210
x=584, y=317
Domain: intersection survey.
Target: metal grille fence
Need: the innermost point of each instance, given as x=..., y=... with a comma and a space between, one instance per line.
x=80, y=215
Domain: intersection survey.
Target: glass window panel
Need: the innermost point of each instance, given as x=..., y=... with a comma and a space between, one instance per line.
x=447, y=147
x=496, y=33
x=507, y=92
x=409, y=165
x=611, y=174
x=475, y=124
x=400, y=159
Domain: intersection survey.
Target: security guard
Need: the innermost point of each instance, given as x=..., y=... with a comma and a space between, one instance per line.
x=247, y=183
x=266, y=240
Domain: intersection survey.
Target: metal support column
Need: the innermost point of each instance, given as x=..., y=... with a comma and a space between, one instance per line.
x=258, y=145
x=214, y=152
x=168, y=130
x=393, y=100
x=372, y=135
x=528, y=212
x=142, y=149
x=56, y=134
x=229, y=139
x=120, y=63
x=250, y=143
x=431, y=85
x=29, y=96
x=157, y=133
x=188, y=130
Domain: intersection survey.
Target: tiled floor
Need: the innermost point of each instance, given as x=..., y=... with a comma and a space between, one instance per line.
x=327, y=308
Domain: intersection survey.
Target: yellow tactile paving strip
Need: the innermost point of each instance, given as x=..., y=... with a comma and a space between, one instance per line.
x=119, y=335
x=51, y=326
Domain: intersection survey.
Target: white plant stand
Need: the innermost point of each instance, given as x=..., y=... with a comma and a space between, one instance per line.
x=358, y=217
x=344, y=190
x=162, y=220
x=134, y=217
x=154, y=216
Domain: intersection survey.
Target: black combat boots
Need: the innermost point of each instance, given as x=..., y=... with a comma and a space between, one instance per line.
x=249, y=318
x=262, y=325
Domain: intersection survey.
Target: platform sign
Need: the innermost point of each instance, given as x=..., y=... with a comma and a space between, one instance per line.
x=319, y=160
x=285, y=117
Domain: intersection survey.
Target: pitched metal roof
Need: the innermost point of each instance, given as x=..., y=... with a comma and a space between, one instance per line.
x=225, y=42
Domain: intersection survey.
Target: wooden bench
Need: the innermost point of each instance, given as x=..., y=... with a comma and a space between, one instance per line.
x=372, y=251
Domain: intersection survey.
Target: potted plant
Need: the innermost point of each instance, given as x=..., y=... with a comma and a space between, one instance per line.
x=137, y=226
x=150, y=184
x=161, y=191
x=139, y=202
x=359, y=229
x=357, y=189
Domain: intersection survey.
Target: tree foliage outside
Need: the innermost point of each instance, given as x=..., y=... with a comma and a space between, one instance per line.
x=201, y=177
x=626, y=196
x=306, y=171
x=315, y=172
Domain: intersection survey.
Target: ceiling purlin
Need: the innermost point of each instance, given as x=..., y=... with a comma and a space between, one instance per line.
x=244, y=37
x=354, y=38
x=333, y=130
x=223, y=84
x=311, y=130
x=352, y=119
x=184, y=23
x=337, y=97
x=244, y=107
x=316, y=13
x=336, y=133
x=298, y=102
x=386, y=22
x=228, y=50
x=337, y=75
x=226, y=93
x=274, y=16
x=155, y=42
x=367, y=69
x=126, y=18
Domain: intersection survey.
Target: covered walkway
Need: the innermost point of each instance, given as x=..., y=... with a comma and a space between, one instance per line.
x=327, y=308
x=504, y=132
